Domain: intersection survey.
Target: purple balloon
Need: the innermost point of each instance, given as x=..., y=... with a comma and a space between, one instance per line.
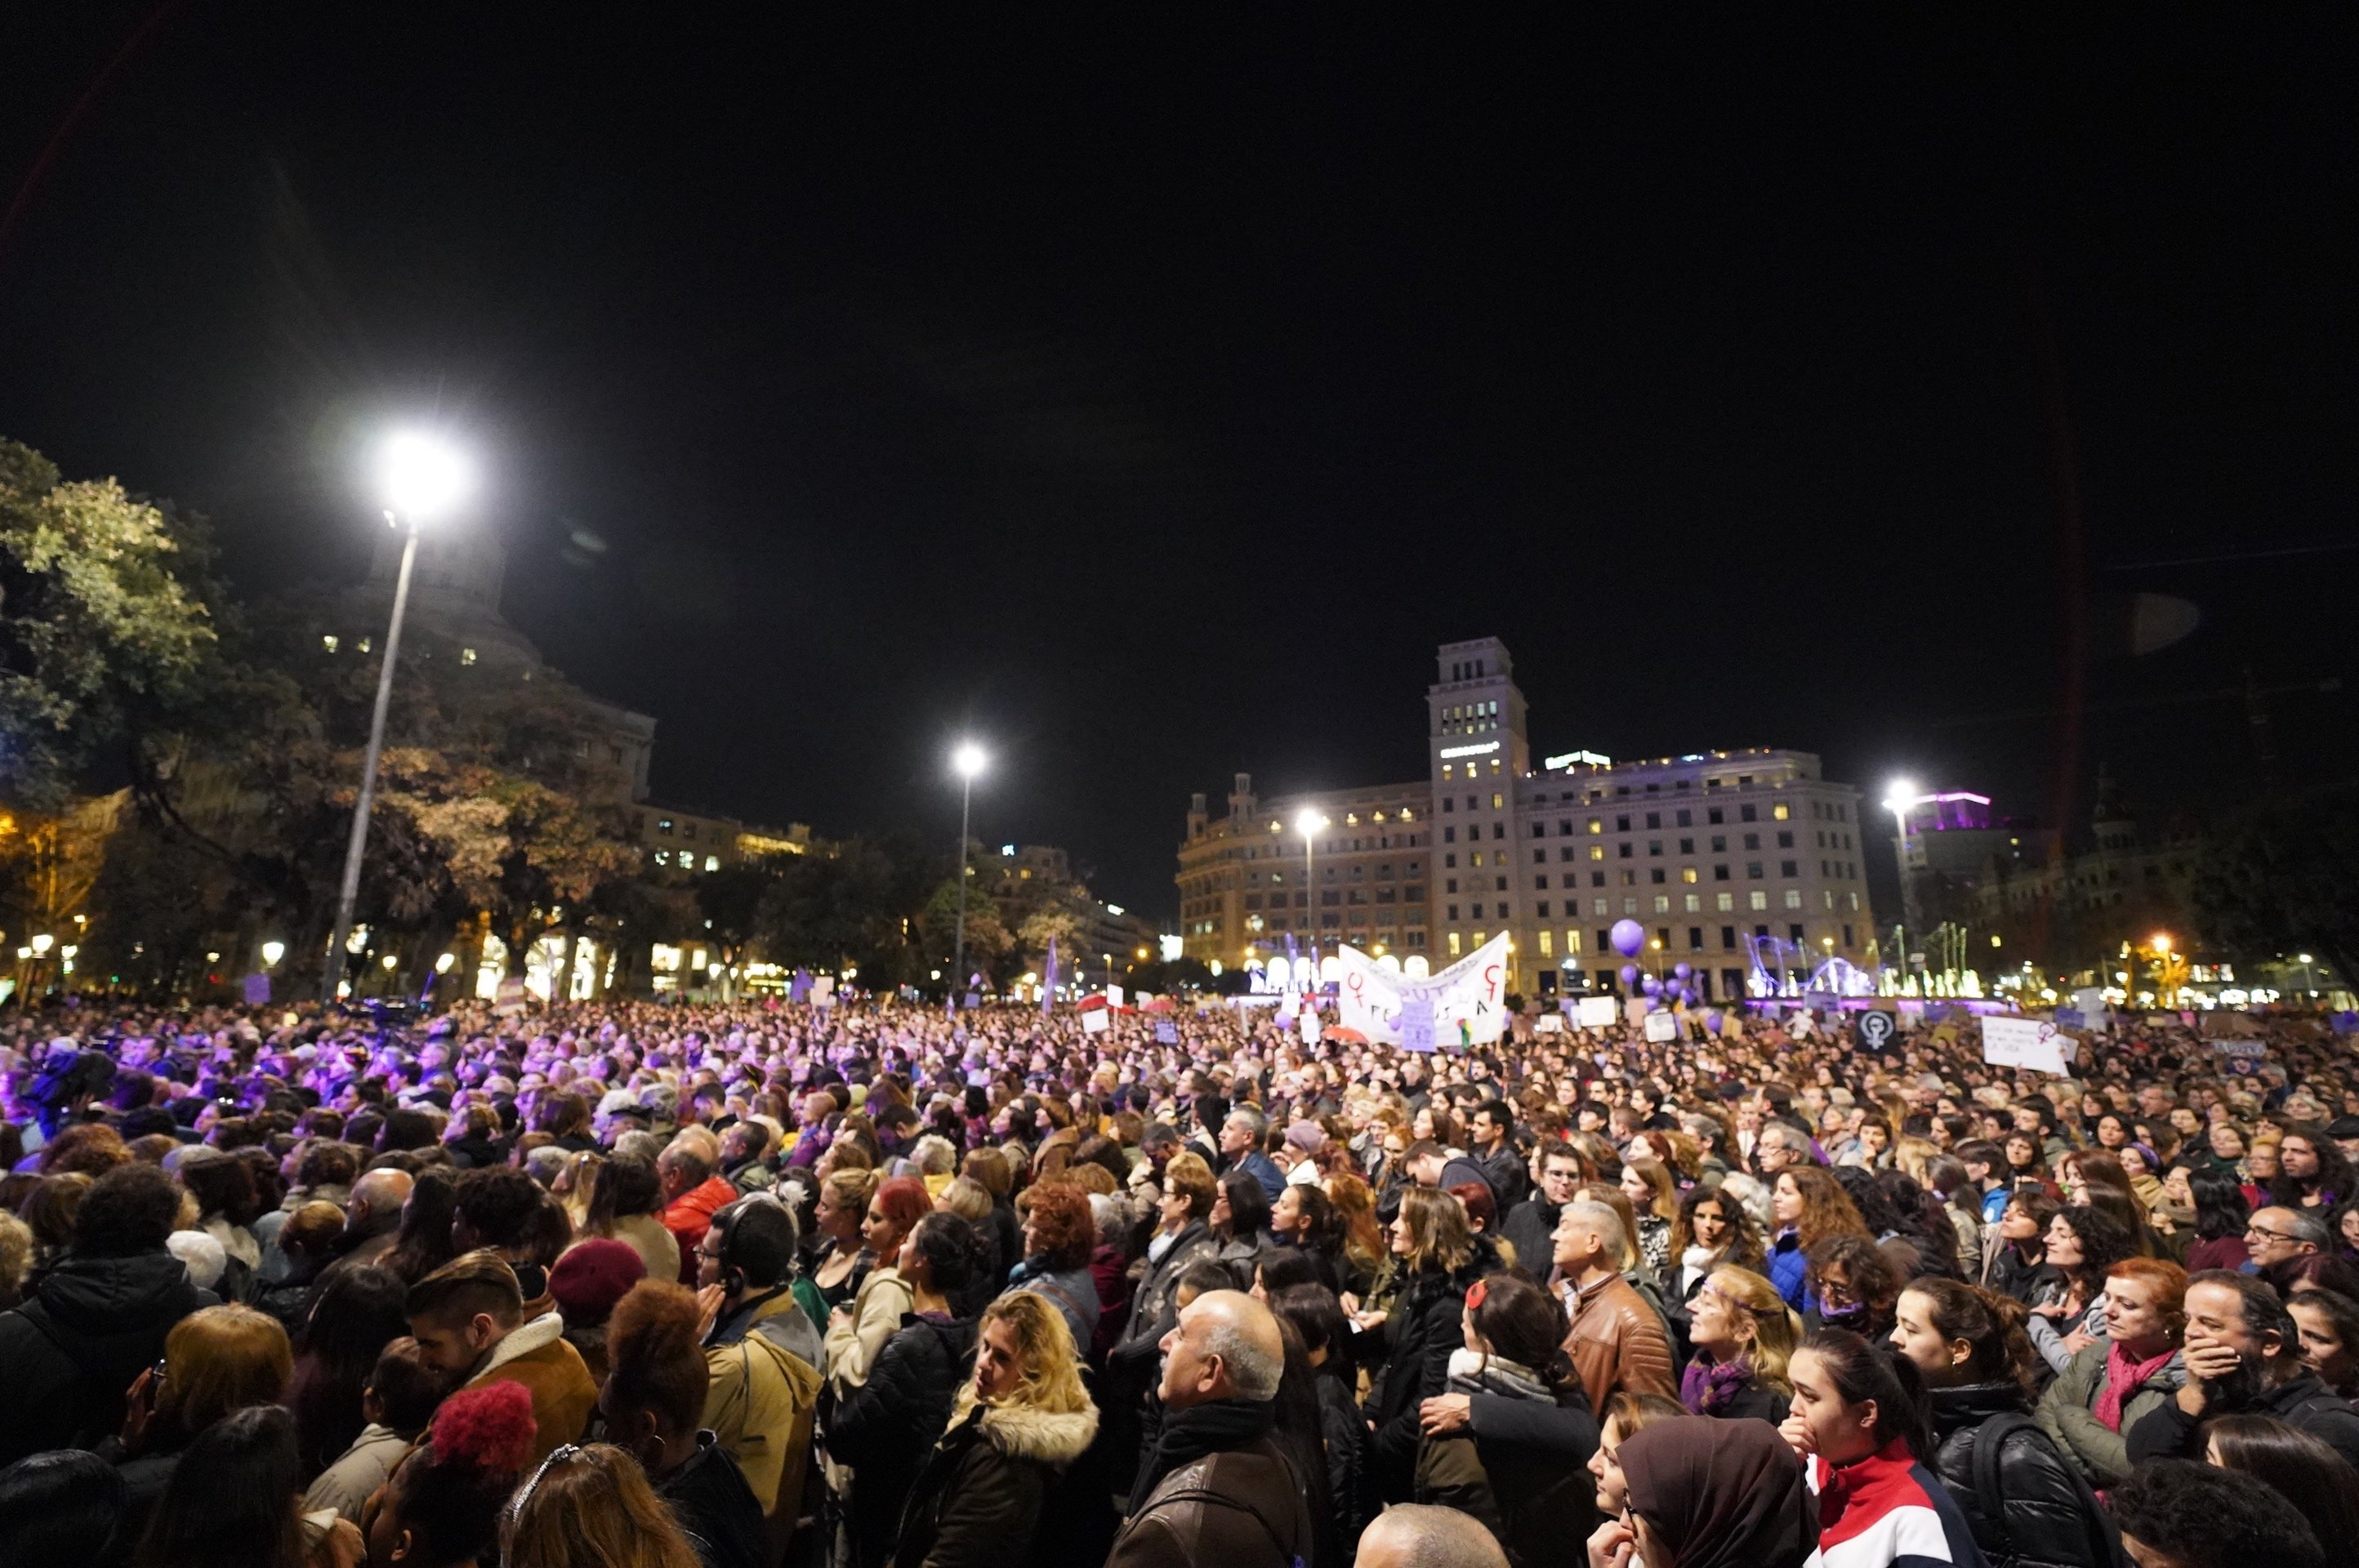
x=1628, y=937
x=1682, y=970
x=1712, y=1021
x=1651, y=986
x=1629, y=974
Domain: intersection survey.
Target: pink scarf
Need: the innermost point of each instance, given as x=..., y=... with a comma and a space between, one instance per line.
x=2124, y=1377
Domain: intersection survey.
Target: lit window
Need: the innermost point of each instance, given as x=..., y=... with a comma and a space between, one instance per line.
x=711, y=863
x=1793, y=898
x=328, y=643
x=1723, y=901
x=1757, y=899
x=1498, y=802
x=1687, y=873
x=663, y=825
x=1597, y=851
x=663, y=857
x=1453, y=944
x=1547, y=943
x=467, y=656
x=1780, y=811
x=1597, y=824
x=1662, y=904
x=1692, y=903
x=363, y=645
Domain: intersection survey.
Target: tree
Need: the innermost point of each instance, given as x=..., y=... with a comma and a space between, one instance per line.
x=987, y=941
x=2278, y=880
x=100, y=629
x=1053, y=922
x=730, y=902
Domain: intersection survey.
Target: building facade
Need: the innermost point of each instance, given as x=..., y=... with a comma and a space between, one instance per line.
x=1744, y=865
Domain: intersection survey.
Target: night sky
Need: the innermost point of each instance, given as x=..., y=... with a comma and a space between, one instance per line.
x=1149, y=404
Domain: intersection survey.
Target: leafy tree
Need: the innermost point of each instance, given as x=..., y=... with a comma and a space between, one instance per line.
x=730, y=903
x=988, y=944
x=1053, y=921
x=2278, y=880
x=101, y=632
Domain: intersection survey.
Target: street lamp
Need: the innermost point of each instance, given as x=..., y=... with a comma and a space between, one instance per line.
x=1308, y=822
x=271, y=953
x=419, y=478
x=967, y=762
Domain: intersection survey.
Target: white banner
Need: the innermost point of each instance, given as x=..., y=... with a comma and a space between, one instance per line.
x=1097, y=1021
x=1661, y=1028
x=1114, y=996
x=2030, y=1043
x=1466, y=1001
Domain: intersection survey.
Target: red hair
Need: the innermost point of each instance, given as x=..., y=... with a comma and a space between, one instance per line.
x=488, y=1430
x=904, y=1202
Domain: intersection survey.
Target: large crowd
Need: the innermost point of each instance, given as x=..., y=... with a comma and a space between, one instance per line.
x=871, y=1285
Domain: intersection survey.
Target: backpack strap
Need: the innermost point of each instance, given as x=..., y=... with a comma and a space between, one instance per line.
x=1990, y=1441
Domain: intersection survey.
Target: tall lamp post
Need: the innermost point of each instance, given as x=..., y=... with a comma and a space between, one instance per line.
x=420, y=477
x=1307, y=823
x=967, y=762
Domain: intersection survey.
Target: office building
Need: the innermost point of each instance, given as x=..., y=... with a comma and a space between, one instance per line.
x=1744, y=864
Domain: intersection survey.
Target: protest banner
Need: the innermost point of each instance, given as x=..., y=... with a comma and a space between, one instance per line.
x=2029, y=1042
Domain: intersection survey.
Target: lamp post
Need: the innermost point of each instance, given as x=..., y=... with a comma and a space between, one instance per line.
x=1308, y=822
x=420, y=477
x=967, y=762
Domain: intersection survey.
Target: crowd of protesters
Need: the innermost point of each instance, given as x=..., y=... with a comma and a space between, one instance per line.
x=869, y=1285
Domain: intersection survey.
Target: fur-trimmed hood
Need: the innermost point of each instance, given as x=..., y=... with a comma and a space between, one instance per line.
x=1055, y=1438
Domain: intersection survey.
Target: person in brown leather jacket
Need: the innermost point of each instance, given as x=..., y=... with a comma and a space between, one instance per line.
x=1617, y=1344
x=1217, y=1489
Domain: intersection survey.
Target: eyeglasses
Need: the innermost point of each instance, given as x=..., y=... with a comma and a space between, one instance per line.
x=2254, y=1231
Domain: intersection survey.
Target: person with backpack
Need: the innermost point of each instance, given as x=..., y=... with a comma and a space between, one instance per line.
x=2024, y=1500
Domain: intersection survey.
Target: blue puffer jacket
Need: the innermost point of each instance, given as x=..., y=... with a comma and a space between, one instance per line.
x=1788, y=1269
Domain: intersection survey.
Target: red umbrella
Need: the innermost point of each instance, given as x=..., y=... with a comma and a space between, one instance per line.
x=1349, y=1036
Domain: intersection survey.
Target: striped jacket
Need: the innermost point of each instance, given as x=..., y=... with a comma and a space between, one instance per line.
x=1889, y=1511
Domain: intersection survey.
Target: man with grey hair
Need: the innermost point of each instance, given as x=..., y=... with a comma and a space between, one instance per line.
x=1218, y=1487
x=1241, y=1146
x=1617, y=1344
x=1420, y=1535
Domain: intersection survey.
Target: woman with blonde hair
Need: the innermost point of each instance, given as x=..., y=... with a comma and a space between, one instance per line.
x=1438, y=1262
x=216, y=1362
x=592, y=1505
x=842, y=1263
x=1655, y=1207
x=1745, y=1335
x=1021, y=1420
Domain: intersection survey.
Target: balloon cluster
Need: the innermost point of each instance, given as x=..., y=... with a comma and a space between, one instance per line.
x=1681, y=990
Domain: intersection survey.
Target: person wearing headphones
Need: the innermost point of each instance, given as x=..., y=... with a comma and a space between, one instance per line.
x=764, y=1354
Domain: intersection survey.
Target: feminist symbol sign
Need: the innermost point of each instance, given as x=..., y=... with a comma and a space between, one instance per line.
x=1873, y=1030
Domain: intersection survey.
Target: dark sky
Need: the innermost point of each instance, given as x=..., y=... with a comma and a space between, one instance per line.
x=1150, y=403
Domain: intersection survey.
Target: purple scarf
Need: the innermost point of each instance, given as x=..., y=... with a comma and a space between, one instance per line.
x=1708, y=1387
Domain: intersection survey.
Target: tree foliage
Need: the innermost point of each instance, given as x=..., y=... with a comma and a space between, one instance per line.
x=2279, y=880
x=102, y=625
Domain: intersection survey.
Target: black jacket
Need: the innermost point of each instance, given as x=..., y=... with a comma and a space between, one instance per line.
x=1510, y=1180
x=1530, y=1227
x=69, y=1355
x=976, y=1502
x=1344, y=1435
x=1421, y=1331
x=716, y=1507
x=2302, y=1403
x=883, y=1428
x=2048, y=1518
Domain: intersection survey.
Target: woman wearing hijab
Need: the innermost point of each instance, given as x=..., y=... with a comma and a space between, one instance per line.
x=1709, y=1494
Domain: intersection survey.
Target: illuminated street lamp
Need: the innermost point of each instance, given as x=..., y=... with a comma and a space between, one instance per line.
x=272, y=952
x=419, y=478
x=967, y=762
x=1308, y=822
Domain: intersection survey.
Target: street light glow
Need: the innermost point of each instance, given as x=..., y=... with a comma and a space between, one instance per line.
x=968, y=759
x=2159, y=942
x=272, y=952
x=1309, y=822
x=1900, y=795
x=420, y=476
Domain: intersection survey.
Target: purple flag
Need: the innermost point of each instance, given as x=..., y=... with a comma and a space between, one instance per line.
x=1049, y=989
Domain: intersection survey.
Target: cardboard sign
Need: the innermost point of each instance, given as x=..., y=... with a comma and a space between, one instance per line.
x=2028, y=1042
x=1114, y=996
x=1550, y=1024
x=1662, y=1028
x=1097, y=1021
x=1875, y=1030
x=1167, y=1034
x=1597, y=1012
x=1416, y=1024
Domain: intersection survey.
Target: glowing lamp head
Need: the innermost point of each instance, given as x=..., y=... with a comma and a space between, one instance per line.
x=41, y=943
x=421, y=477
x=2159, y=941
x=1309, y=822
x=273, y=951
x=967, y=761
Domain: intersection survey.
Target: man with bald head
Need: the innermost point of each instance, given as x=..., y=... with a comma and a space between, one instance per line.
x=1218, y=1487
x=372, y=1217
x=1419, y=1535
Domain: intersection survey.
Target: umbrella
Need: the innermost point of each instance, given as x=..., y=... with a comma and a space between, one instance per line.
x=1349, y=1036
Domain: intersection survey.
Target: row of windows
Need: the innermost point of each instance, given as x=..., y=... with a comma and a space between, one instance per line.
x=687, y=859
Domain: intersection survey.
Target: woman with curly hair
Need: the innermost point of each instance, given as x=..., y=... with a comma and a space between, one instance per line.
x=2068, y=1313
x=440, y=1507
x=653, y=1404
x=1018, y=1423
x=1060, y=1234
x=1745, y=1336
x=1808, y=1206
